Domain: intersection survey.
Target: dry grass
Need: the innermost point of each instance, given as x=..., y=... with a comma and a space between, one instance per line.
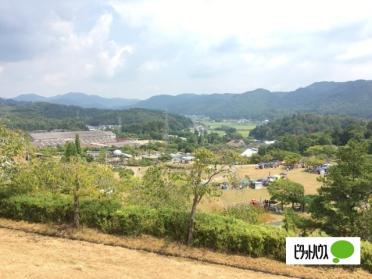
x=163, y=267
x=233, y=197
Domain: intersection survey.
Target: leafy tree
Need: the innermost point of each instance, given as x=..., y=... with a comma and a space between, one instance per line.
x=160, y=187
x=346, y=192
x=70, y=150
x=286, y=191
x=13, y=152
x=77, y=145
x=291, y=159
x=318, y=150
x=313, y=161
x=74, y=177
x=40, y=175
x=83, y=179
x=199, y=179
x=363, y=227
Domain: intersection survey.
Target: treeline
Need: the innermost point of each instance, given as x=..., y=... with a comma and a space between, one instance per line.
x=45, y=116
x=298, y=132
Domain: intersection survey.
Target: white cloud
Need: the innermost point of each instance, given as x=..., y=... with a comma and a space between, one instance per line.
x=94, y=52
x=150, y=66
x=261, y=23
x=356, y=50
x=147, y=47
x=77, y=58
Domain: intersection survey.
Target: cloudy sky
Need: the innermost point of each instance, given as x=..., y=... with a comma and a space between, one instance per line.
x=140, y=48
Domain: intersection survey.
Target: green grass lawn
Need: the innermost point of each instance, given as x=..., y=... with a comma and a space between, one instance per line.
x=242, y=128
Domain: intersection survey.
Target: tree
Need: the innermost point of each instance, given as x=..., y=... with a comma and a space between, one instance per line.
x=83, y=179
x=13, y=152
x=160, y=187
x=40, y=175
x=313, y=161
x=346, y=192
x=200, y=181
x=70, y=150
x=77, y=145
x=286, y=191
x=291, y=159
x=73, y=149
x=75, y=177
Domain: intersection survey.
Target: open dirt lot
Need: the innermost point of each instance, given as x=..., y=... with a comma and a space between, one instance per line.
x=27, y=255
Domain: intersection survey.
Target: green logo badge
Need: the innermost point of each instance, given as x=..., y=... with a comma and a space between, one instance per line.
x=342, y=249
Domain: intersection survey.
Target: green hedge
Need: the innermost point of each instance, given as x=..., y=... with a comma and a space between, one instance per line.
x=366, y=255
x=211, y=231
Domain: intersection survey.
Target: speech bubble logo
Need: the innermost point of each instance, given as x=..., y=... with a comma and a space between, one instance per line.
x=341, y=249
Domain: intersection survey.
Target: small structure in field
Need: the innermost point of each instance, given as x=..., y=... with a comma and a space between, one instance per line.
x=249, y=152
x=119, y=153
x=257, y=184
x=183, y=158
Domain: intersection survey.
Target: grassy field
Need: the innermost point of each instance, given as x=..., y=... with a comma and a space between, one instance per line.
x=242, y=128
x=233, y=197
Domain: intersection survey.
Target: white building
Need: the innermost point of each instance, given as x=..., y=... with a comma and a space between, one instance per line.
x=249, y=152
x=97, y=138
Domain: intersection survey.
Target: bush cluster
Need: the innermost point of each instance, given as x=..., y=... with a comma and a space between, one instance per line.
x=223, y=233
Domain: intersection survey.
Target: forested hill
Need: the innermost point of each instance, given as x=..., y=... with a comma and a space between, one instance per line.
x=45, y=116
x=352, y=98
x=310, y=124
x=79, y=99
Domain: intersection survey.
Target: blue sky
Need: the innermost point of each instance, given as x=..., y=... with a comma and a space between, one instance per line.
x=140, y=48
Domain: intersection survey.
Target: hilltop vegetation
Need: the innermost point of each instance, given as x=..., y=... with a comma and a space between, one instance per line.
x=44, y=116
x=305, y=124
x=352, y=98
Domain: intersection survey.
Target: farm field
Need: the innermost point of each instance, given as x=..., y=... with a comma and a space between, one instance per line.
x=27, y=255
x=242, y=128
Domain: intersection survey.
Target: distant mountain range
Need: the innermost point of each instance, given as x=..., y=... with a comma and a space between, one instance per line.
x=352, y=98
x=79, y=99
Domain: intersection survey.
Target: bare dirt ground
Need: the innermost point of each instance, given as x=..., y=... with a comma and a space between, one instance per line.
x=26, y=255
x=25, y=252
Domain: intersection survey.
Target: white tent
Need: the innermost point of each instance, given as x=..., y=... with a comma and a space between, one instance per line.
x=249, y=152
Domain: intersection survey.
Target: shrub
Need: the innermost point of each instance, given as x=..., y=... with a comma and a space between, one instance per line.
x=245, y=212
x=213, y=231
x=39, y=208
x=366, y=255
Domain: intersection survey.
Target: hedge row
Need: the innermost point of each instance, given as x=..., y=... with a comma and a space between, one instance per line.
x=211, y=231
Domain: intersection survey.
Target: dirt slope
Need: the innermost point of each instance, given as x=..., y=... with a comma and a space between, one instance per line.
x=27, y=255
